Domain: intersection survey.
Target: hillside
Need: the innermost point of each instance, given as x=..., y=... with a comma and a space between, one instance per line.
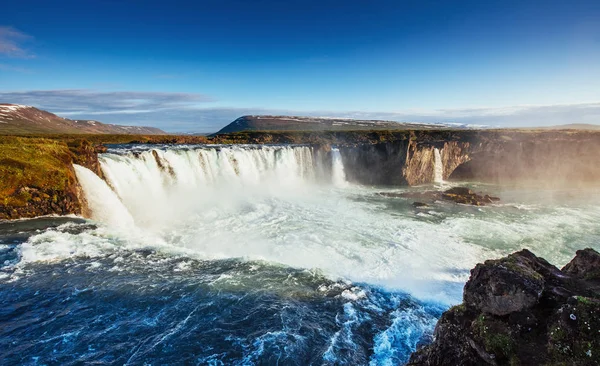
x=292, y=123
x=20, y=119
x=573, y=126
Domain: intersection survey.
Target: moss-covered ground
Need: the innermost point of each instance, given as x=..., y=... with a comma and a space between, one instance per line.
x=42, y=164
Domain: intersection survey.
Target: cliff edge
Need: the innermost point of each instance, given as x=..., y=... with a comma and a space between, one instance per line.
x=521, y=310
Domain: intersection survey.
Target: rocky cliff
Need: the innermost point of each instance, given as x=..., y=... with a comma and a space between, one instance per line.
x=551, y=158
x=521, y=310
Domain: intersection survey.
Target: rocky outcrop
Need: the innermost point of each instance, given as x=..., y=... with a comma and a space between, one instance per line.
x=462, y=195
x=85, y=153
x=466, y=196
x=521, y=310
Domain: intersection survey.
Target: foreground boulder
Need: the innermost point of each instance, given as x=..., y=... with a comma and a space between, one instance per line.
x=521, y=310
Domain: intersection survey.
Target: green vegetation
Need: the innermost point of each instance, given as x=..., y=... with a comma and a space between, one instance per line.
x=32, y=163
x=496, y=338
x=516, y=266
x=573, y=338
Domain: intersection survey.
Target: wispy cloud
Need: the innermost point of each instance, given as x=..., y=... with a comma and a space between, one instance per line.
x=90, y=102
x=12, y=43
x=511, y=116
x=212, y=119
x=190, y=112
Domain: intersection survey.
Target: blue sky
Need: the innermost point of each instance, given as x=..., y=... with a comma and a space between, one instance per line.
x=195, y=66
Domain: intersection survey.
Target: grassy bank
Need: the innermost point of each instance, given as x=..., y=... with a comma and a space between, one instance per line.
x=42, y=164
x=36, y=178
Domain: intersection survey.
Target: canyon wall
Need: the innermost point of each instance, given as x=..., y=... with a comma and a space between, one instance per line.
x=548, y=159
x=403, y=162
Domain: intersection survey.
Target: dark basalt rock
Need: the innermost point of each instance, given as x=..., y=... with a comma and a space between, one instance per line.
x=586, y=265
x=460, y=195
x=504, y=286
x=466, y=196
x=521, y=310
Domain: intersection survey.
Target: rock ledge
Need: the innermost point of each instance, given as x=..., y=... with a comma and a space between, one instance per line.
x=521, y=310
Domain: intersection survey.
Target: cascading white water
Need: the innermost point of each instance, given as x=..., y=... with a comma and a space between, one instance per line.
x=267, y=203
x=157, y=184
x=338, y=176
x=103, y=202
x=438, y=168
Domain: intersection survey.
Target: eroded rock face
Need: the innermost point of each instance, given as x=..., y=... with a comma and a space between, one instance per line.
x=85, y=153
x=586, y=265
x=521, y=310
x=504, y=286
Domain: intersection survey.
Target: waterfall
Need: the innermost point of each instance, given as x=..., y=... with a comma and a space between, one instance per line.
x=102, y=201
x=438, y=168
x=338, y=176
x=156, y=185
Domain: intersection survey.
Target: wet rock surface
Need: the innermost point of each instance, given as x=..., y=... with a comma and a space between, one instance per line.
x=466, y=196
x=461, y=195
x=521, y=310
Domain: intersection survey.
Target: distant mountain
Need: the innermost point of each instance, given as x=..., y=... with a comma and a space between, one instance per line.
x=290, y=123
x=573, y=126
x=22, y=119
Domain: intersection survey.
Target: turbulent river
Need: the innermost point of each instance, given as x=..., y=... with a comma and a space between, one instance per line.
x=257, y=255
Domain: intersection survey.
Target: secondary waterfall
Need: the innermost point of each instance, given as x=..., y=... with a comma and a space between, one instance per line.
x=438, y=167
x=338, y=176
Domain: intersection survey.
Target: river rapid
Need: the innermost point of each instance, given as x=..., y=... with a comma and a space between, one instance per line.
x=257, y=255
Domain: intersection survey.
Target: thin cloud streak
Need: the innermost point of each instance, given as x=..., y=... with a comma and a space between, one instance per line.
x=212, y=119
x=11, y=43
x=83, y=101
x=188, y=112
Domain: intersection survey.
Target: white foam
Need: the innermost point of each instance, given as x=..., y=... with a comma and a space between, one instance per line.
x=264, y=204
x=102, y=201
